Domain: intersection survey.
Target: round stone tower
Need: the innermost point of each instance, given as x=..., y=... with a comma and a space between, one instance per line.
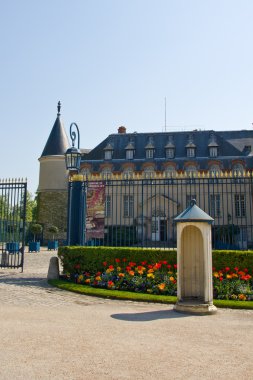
x=53, y=181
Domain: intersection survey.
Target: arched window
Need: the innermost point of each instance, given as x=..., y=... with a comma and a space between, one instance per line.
x=238, y=169
x=106, y=173
x=214, y=170
x=128, y=173
x=149, y=172
x=170, y=171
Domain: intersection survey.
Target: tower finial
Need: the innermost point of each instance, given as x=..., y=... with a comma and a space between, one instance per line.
x=59, y=108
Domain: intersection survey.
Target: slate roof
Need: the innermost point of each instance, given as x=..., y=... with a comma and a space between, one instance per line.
x=193, y=213
x=57, y=142
x=231, y=146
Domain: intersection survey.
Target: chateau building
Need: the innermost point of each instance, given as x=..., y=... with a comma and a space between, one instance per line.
x=150, y=178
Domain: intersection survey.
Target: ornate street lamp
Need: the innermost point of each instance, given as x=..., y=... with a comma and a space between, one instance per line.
x=73, y=154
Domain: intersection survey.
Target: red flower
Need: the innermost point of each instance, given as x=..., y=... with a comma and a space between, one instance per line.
x=164, y=262
x=168, y=266
x=150, y=266
x=236, y=269
x=77, y=266
x=143, y=263
x=128, y=268
x=111, y=267
x=245, y=270
x=104, y=263
x=98, y=273
x=227, y=269
x=175, y=266
x=117, y=260
x=221, y=279
x=124, y=260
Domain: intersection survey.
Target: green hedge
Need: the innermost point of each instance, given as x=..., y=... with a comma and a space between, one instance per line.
x=91, y=259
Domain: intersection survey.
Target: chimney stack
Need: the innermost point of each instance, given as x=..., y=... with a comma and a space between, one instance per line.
x=122, y=130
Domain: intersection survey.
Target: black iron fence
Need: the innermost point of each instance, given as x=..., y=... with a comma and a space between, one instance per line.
x=141, y=212
x=12, y=223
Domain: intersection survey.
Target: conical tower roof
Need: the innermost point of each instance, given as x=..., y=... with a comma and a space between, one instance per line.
x=57, y=142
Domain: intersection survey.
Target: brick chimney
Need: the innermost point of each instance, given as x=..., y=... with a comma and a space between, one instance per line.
x=122, y=130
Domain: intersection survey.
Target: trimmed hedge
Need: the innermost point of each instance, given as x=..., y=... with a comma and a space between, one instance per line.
x=91, y=259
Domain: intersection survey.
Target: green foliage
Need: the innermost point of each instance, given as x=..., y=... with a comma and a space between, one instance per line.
x=31, y=207
x=35, y=229
x=53, y=230
x=241, y=259
x=91, y=259
x=114, y=294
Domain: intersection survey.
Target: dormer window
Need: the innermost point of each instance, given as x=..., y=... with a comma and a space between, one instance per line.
x=170, y=148
x=213, y=146
x=149, y=153
x=108, y=154
x=170, y=152
x=213, y=151
x=191, y=152
x=129, y=154
x=190, y=147
x=108, y=151
x=150, y=148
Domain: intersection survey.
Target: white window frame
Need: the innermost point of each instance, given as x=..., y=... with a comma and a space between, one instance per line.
x=128, y=204
x=191, y=152
x=240, y=205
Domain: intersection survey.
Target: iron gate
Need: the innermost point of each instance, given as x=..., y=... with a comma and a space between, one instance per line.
x=12, y=223
x=141, y=212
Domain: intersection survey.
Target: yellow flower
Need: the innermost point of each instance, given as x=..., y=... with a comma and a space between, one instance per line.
x=150, y=275
x=172, y=278
x=229, y=276
x=118, y=269
x=216, y=274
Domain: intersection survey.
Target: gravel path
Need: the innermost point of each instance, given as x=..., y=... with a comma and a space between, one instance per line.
x=47, y=333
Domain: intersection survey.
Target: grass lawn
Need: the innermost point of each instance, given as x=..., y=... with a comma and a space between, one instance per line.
x=121, y=295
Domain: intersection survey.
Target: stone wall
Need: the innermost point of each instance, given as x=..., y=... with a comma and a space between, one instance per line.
x=52, y=210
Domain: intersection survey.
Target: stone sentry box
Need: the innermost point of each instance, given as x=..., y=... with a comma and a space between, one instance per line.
x=194, y=258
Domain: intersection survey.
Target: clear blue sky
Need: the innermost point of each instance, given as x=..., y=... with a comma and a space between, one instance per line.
x=112, y=63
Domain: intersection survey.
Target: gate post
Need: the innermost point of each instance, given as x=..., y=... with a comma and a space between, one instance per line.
x=194, y=258
x=76, y=212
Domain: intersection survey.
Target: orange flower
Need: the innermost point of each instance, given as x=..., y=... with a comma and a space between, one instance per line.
x=131, y=272
x=172, y=279
x=161, y=286
x=87, y=281
x=98, y=278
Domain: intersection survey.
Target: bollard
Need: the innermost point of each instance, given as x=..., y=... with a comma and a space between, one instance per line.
x=53, y=269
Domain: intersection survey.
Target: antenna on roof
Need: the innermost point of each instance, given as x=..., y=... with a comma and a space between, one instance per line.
x=165, y=115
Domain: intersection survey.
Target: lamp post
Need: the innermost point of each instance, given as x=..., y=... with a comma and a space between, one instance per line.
x=76, y=193
x=73, y=154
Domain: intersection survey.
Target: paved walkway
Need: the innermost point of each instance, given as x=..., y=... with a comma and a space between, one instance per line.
x=47, y=333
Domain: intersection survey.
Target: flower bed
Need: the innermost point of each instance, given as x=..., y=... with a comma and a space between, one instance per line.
x=161, y=278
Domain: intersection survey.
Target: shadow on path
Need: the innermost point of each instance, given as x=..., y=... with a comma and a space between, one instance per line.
x=26, y=281
x=149, y=316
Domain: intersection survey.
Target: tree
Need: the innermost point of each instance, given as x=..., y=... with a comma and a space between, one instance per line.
x=35, y=229
x=53, y=230
x=31, y=207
